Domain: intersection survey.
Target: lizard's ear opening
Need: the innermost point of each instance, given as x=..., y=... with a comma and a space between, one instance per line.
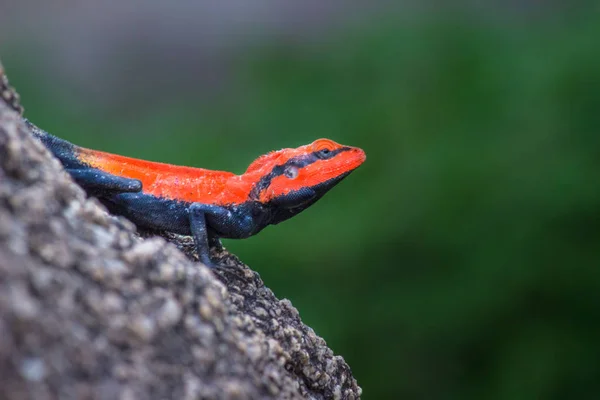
x=291, y=172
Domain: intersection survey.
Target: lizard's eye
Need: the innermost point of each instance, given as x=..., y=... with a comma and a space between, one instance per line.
x=323, y=148
x=291, y=172
x=324, y=153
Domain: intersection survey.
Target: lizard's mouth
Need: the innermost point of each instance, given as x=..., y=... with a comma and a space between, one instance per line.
x=343, y=163
x=324, y=187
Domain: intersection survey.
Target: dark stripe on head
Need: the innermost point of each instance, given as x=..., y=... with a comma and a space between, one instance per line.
x=299, y=162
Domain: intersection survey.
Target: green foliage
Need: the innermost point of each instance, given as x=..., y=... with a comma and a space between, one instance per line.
x=463, y=259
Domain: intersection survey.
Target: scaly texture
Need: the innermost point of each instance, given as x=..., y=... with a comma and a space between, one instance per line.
x=320, y=373
x=90, y=310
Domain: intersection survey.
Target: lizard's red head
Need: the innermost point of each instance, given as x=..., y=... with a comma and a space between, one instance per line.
x=296, y=178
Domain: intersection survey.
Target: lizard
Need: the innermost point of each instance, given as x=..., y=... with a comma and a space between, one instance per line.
x=203, y=203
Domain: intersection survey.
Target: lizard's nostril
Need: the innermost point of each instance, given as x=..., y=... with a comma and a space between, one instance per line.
x=361, y=155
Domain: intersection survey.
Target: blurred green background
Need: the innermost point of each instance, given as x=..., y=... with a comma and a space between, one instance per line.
x=462, y=260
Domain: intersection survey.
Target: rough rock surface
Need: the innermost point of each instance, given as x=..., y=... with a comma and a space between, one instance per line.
x=88, y=309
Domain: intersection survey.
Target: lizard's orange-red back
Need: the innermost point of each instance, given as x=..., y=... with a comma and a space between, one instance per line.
x=170, y=181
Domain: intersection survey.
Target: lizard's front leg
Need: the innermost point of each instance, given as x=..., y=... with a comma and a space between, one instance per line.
x=98, y=183
x=220, y=219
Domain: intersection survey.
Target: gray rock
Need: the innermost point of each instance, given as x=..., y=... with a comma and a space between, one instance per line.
x=89, y=309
